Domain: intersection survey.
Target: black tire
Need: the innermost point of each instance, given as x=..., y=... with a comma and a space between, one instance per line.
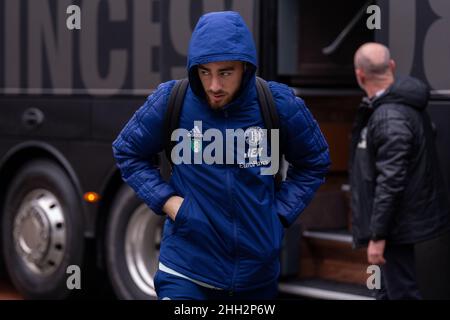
x=128, y=280
x=65, y=239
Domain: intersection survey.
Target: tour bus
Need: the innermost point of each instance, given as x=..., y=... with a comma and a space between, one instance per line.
x=73, y=72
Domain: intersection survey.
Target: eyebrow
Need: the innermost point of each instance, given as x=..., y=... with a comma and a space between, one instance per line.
x=230, y=68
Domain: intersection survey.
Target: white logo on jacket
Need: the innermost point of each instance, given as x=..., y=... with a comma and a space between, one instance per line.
x=212, y=153
x=196, y=139
x=254, y=136
x=362, y=144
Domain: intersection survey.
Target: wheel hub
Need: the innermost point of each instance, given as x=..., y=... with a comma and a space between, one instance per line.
x=34, y=231
x=142, y=242
x=39, y=232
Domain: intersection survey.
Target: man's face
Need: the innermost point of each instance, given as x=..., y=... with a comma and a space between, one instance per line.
x=221, y=81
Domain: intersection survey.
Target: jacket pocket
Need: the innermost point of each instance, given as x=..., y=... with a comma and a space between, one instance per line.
x=171, y=226
x=182, y=213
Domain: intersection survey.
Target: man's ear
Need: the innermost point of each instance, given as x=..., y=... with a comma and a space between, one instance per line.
x=360, y=75
x=392, y=66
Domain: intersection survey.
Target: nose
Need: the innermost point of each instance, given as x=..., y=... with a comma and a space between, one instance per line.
x=215, y=85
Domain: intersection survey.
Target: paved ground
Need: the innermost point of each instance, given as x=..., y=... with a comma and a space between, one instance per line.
x=7, y=291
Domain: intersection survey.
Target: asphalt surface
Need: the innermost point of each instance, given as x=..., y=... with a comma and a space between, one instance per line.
x=7, y=290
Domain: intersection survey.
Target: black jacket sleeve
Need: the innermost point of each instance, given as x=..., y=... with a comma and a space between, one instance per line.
x=392, y=142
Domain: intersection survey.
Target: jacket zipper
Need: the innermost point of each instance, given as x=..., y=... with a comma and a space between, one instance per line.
x=230, y=196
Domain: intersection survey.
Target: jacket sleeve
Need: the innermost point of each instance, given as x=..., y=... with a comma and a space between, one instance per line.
x=136, y=148
x=392, y=141
x=306, y=151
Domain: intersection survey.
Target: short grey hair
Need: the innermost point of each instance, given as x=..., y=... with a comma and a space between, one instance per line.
x=373, y=58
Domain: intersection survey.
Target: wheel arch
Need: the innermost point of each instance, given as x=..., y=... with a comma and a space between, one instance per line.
x=28, y=151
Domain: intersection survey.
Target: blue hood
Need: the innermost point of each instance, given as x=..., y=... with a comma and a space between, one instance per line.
x=221, y=36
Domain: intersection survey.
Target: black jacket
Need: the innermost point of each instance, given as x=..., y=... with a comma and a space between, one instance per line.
x=397, y=189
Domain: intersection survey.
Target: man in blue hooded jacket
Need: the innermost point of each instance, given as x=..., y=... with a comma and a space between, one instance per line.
x=225, y=222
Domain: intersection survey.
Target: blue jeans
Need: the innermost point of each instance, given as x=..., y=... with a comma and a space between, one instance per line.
x=172, y=287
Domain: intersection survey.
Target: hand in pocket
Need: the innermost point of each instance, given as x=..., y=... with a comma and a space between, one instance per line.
x=172, y=206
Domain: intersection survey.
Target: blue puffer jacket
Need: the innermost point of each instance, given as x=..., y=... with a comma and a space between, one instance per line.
x=229, y=228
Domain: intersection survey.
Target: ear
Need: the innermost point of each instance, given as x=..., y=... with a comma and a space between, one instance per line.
x=392, y=66
x=360, y=75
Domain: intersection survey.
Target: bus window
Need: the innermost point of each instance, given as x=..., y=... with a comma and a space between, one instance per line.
x=317, y=43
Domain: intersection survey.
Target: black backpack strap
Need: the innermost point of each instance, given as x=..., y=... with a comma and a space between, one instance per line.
x=268, y=108
x=172, y=117
x=270, y=116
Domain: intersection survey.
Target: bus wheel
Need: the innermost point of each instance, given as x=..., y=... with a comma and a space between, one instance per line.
x=42, y=231
x=133, y=238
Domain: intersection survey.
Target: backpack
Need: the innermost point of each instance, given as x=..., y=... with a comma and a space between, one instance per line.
x=175, y=103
